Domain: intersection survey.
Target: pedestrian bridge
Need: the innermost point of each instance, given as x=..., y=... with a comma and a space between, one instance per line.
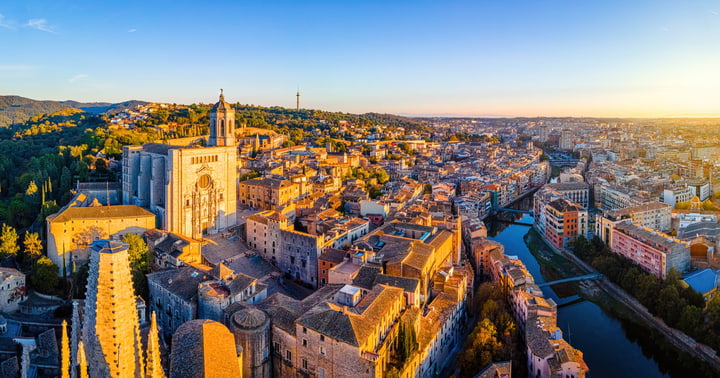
x=591, y=276
x=513, y=210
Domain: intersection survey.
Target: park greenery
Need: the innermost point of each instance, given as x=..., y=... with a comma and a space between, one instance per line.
x=670, y=299
x=496, y=336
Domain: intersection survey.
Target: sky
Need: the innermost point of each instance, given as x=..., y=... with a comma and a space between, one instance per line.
x=501, y=57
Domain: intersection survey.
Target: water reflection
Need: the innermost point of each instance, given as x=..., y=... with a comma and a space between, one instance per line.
x=612, y=348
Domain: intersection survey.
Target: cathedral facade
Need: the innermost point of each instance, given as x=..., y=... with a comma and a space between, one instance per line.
x=192, y=190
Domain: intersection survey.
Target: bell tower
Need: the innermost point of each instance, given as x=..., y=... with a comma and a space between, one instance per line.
x=222, y=123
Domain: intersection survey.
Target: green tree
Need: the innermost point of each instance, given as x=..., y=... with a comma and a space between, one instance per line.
x=382, y=176
x=708, y=205
x=490, y=309
x=407, y=341
x=340, y=147
x=83, y=171
x=249, y=175
x=19, y=212
x=65, y=180
x=140, y=258
x=682, y=205
x=713, y=314
x=137, y=252
x=32, y=246
x=427, y=189
x=8, y=241
x=32, y=189
x=375, y=192
x=44, y=275
x=691, y=320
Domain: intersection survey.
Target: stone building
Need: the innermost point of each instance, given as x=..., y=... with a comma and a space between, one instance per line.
x=111, y=330
x=412, y=251
x=216, y=295
x=548, y=354
x=251, y=328
x=173, y=250
x=267, y=193
x=12, y=289
x=295, y=253
x=191, y=189
x=173, y=296
x=331, y=334
x=187, y=293
x=71, y=230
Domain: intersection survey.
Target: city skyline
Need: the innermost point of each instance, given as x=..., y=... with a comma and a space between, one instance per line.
x=610, y=59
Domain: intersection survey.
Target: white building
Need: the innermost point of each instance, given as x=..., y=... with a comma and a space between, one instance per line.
x=12, y=289
x=673, y=196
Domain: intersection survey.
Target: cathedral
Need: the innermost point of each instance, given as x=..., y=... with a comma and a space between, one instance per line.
x=192, y=190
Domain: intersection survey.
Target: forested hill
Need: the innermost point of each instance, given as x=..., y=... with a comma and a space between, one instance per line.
x=275, y=116
x=16, y=109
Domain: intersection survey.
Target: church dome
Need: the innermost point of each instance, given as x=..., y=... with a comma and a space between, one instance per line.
x=222, y=105
x=249, y=318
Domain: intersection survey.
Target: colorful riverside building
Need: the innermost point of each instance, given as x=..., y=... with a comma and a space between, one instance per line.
x=653, y=251
x=549, y=355
x=557, y=219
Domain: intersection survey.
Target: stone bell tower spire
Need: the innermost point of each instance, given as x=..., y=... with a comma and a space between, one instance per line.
x=65, y=353
x=153, y=367
x=82, y=361
x=222, y=123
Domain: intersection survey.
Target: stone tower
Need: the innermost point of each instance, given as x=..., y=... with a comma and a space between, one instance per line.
x=298, y=100
x=222, y=124
x=153, y=367
x=82, y=361
x=65, y=353
x=251, y=328
x=110, y=328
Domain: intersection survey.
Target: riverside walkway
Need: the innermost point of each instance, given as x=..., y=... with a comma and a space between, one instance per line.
x=675, y=336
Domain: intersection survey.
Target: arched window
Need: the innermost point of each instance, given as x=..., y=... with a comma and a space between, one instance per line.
x=222, y=127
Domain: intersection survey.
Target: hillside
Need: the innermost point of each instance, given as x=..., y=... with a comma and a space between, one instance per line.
x=16, y=109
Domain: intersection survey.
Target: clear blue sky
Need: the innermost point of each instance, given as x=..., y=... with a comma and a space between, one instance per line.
x=503, y=57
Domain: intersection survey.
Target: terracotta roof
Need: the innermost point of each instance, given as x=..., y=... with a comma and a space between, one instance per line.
x=331, y=323
x=564, y=205
x=333, y=255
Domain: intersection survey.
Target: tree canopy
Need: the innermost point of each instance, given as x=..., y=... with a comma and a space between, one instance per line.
x=44, y=277
x=8, y=241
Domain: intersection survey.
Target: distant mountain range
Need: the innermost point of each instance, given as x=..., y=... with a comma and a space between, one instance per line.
x=16, y=109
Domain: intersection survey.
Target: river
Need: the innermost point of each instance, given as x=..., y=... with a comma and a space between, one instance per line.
x=612, y=347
